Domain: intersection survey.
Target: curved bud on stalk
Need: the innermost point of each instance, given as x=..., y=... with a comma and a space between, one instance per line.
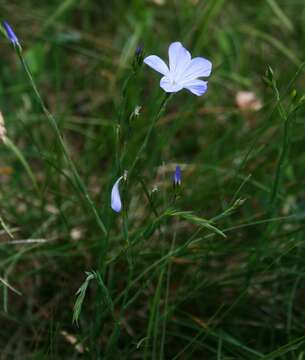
x=11, y=34
x=116, y=203
x=2, y=128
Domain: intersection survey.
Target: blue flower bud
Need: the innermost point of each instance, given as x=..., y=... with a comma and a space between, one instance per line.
x=177, y=178
x=10, y=34
x=138, y=57
x=116, y=203
x=139, y=50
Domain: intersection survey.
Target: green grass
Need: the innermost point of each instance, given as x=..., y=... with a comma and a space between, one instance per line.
x=214, y=270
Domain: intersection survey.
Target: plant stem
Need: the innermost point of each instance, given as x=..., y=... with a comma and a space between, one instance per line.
x=281, y=162
x=165, y=100
x=55, y=127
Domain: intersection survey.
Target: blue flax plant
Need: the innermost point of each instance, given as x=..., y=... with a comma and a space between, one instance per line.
x=183, y=72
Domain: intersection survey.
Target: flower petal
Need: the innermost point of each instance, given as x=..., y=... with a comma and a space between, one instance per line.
x=116, y=203
x=198, y=67
x=157, y=64
x=197, y=87
x=168, y=86
x=179, y=60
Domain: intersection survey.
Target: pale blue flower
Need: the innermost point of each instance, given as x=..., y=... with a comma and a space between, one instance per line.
x=177, y=178
x=10, y=34
x=183, y=71
x=116, y=203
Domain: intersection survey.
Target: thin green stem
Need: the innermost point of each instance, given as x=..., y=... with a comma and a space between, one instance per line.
x=55, y=127
x=281, y=162
x=286, y=118
x=165, y=100
x=166, y=299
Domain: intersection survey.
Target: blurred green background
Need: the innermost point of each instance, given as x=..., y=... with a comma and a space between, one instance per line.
x=239, y=297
